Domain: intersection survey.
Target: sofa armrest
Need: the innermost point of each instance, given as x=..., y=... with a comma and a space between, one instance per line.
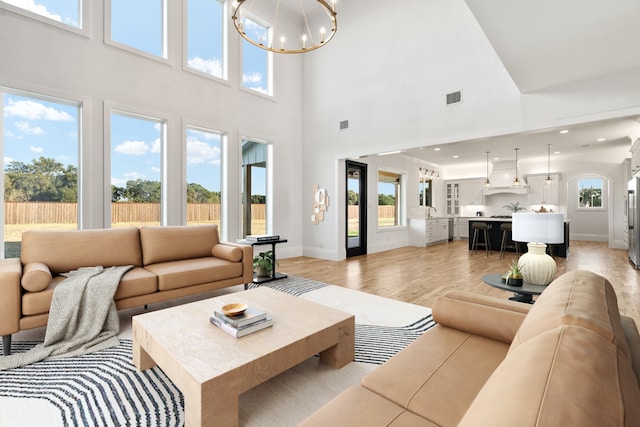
x=10, y=295
x=247, y=257
x=482, y=315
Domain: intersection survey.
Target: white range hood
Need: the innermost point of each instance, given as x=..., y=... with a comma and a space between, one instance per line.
x=501, y=179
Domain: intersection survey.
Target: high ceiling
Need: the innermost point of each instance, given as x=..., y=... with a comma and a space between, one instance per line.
x=547, y=43
x=543, y=45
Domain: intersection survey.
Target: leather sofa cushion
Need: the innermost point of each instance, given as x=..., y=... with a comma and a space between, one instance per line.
x=579, y=298
x=134, y=282
x=188, y=272
x=173, y=243
x=230, y=253
x=438, y=375
x=480, y=314
x=64, y=251
x=35, y=277
x=633, y=340
x=567, y=376
x=359, y=407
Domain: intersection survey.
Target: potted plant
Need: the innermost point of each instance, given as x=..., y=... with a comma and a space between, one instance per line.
x=263, y=263
x=514, y=275
x=514, y=207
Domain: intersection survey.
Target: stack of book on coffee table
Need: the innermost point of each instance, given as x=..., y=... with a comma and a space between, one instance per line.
x=240, y=322
x=258, y=238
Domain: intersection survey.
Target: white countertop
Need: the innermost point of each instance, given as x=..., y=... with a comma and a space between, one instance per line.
x=490, y=219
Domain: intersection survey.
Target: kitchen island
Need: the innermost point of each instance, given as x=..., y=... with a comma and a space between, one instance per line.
x=495, y=236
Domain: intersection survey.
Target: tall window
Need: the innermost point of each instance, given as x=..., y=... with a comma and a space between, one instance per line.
x=424, y=188
x=41, y=140
x=254, y=187
x=140, y=24
x=591, y=192
x=389, y=199
x=205, y=37
x=203, y=176
x=65, y=12
x=256, y=62
x=136, y=189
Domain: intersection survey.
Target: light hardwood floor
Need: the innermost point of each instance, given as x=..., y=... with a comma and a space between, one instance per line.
x=419, y=275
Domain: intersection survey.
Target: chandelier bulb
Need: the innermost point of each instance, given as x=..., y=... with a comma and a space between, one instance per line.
x=243, y=10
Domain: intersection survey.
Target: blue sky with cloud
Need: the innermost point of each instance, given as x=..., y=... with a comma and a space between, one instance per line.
x=38, y=128
x=35, y=127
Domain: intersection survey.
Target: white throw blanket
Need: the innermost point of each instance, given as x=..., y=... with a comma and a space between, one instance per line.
x=82, y=318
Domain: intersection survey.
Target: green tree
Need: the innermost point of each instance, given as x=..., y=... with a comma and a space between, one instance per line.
x=142, y=191
x=44, y=179
x=196, y=193
x=117, y=193
x=386, y=200
x=257, y=199
x=352, y=198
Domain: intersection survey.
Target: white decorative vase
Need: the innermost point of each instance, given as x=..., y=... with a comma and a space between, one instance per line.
x=536, y=266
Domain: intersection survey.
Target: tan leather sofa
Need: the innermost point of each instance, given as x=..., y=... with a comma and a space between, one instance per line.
x=168, y=263
x=568, y=360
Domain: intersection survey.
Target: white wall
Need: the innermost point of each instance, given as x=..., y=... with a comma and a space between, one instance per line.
x=41, y=58
x=388, y=75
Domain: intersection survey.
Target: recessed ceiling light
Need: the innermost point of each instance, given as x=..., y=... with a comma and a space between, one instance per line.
x=557, y=152
x=496, y=158
x=456, y=156
x=390, y=152
x=436, y=149
x=601, y=139
x=564, y=131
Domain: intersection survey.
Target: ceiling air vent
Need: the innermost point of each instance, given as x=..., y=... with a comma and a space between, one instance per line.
x=344, y=124
x=454, y=97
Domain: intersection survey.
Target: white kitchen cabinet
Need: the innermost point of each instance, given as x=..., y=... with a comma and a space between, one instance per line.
x=425, y=231
x=437, y=230
x=540, y=194
x=463, y=228
x=635, y=156
x=453, y=197
x=471, y=192
x=463, y=192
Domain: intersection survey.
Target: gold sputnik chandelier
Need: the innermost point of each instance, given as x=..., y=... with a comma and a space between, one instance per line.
x=247, y=13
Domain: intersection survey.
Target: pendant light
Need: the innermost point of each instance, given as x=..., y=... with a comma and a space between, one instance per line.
x=516, y=180
x=548, y=181
x=487, y=183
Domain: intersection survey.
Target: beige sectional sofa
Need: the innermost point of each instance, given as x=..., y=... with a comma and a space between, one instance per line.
x=568, y=360
x=168, y=262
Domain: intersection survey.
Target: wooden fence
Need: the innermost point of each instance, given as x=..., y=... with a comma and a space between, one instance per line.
x=383, y=212
x=67, y=213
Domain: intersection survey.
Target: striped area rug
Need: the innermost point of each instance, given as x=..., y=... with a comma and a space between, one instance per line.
x=105, y=389
x=99, y=389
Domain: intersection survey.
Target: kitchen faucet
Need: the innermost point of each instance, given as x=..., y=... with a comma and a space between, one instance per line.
x=429, y=211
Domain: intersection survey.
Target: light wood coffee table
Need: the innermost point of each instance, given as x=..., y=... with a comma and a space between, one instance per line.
x=212, y=368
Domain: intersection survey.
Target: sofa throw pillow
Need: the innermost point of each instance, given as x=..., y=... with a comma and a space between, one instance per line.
x=36, y=276
x=230, y=253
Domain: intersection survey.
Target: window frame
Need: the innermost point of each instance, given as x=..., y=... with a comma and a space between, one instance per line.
x=84, y=14
x=83, y=131
x=166, y=54
x=400, y=217
x=225, y=44
x=270, y=94
x=269, y=197
x=604, y=193
x=137, y=113
x=224, y=135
